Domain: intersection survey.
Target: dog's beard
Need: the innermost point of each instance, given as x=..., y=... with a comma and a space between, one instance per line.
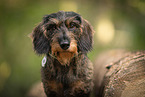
x=64, y=56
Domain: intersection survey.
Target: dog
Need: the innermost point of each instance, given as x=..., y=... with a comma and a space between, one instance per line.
x=65, y=38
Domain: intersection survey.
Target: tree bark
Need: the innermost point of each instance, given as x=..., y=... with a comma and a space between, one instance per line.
x=125, y=77
x=36, y=90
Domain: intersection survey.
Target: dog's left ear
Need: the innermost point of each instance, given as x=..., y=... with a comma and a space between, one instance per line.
x=86, y=38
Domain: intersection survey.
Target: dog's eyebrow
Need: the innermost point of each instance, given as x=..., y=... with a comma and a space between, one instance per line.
x=53, y=20
x=68, y=20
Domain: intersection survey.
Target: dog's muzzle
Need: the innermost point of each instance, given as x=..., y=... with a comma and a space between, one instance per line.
x=64, y=49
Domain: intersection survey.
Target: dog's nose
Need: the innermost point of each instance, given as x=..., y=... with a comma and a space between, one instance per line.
x=64, y=44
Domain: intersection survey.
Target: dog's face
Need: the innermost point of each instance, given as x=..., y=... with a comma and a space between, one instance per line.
x=62, y=34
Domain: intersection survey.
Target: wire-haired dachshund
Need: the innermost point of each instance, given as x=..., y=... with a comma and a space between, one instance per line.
x=65, y=38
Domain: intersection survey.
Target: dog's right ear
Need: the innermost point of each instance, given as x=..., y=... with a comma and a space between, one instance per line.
x=40, y=42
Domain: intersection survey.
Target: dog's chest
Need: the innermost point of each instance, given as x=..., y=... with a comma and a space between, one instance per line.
x=65, y=74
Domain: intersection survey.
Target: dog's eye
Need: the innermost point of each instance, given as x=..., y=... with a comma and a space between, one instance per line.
x=73, y=25
x=51, y=27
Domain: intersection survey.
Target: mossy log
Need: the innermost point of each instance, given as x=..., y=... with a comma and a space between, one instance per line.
x=125, y=77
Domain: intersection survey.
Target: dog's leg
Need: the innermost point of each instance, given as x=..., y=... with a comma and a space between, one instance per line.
x=52, y=88
x=78, y=89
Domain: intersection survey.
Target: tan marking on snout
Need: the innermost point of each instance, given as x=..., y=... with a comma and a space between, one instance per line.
x=64, y=56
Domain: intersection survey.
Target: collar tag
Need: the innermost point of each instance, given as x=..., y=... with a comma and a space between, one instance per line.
x=44, y=60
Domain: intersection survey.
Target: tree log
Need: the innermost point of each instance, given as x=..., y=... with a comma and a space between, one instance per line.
x=125, y=77
x=36, y=90
x=100, y=64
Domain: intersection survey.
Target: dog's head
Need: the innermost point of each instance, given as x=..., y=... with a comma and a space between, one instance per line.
x=62, y=34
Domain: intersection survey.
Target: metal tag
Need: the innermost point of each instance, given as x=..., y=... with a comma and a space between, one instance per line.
x=44, y=60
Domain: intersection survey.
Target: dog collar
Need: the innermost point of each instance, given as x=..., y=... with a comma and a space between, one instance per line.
x=44, y=60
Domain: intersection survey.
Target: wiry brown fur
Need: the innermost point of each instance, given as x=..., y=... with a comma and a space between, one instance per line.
x=68, y=71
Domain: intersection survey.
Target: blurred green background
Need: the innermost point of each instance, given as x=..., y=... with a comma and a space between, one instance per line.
x=117, y=24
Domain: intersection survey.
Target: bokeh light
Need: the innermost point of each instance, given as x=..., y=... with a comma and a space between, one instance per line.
x=105, y=30
x=68, y=5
